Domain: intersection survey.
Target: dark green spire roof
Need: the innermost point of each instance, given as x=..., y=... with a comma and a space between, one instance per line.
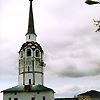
x=31, y=29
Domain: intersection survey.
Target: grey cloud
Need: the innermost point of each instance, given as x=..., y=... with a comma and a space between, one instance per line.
x=79, y=73
x=79, y=53
x=8, y=62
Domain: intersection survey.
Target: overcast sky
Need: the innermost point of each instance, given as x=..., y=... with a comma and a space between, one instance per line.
x=66, y=31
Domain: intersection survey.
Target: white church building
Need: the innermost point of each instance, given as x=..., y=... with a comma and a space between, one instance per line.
x=30, y=77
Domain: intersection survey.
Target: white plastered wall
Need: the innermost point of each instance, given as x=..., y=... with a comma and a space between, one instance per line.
x=30, y=37
x=49, y=95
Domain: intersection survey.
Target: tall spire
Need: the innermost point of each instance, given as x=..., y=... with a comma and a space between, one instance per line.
x=31, y=29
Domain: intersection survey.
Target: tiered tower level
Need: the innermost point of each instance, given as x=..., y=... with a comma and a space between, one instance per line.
x=30, y=57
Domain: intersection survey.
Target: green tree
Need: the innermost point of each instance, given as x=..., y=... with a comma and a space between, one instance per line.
x=97, y=23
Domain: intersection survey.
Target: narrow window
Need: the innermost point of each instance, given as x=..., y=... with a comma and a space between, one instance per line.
x=9, y=98
x=37, y=53
x=15, y=93
x=28, y=68
x=28, y=52
x=38, y=92
x=29, y=81
x=15, y=98
x=32, y=98
x=43, y=97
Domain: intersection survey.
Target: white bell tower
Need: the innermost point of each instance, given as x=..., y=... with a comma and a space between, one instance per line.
x=31, y=57
x=30, y=77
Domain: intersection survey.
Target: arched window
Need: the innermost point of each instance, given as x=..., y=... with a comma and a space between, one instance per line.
x=28, y=52
x=37, y=53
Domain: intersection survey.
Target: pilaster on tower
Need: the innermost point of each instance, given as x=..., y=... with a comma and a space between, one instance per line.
x=31, y=35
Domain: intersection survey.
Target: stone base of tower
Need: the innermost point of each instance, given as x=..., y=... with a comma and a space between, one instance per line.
x=28, y=92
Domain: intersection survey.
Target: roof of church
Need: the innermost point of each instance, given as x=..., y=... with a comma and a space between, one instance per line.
x=27, y=88
x=66, y=98
x=91, y=93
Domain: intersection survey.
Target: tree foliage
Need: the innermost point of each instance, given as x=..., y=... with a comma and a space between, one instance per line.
x=97, y=23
